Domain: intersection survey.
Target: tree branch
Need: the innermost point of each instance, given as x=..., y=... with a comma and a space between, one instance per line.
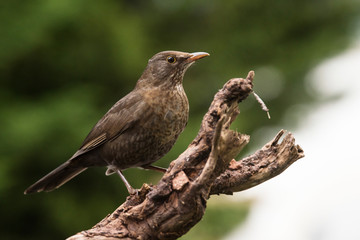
x=173, y=206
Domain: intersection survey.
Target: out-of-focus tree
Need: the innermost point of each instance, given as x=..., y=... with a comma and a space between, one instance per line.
x=64, y=63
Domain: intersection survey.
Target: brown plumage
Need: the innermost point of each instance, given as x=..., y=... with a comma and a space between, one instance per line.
x=139, y=129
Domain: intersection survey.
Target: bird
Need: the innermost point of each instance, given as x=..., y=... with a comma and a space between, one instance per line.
x=138, y=129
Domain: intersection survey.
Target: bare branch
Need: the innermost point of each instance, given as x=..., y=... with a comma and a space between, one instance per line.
x=266, y=163
x=173, y=206
x=214, y=155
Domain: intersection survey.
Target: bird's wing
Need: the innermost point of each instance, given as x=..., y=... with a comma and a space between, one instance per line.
x=121, y=117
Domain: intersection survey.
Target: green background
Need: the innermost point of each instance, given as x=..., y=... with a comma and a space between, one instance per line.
x=64, y=63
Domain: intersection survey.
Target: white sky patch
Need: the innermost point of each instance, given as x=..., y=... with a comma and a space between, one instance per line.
x=318, y=197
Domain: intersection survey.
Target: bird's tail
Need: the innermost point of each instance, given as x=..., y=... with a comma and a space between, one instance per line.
x=57, y=177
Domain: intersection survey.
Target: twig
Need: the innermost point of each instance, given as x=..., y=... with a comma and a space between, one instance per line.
x=262, y=104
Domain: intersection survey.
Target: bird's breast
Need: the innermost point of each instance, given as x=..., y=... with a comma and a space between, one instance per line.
x=170, y=110
x=163, y=117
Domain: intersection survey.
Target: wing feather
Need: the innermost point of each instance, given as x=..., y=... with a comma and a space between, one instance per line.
x=121, y=117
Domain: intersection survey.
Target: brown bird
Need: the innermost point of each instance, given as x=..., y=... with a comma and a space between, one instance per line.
x=139, y=129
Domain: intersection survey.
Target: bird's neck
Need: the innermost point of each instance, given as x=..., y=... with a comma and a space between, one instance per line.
x=171, y=82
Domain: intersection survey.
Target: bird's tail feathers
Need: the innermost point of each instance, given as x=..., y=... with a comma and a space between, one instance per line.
x=57, y=177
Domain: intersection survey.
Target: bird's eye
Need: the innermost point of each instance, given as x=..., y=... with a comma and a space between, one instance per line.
x=171, y=59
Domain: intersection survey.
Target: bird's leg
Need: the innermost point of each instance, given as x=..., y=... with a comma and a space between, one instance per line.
x=155, y=168
x=130, y=189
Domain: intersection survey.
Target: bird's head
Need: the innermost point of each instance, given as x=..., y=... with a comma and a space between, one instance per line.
x=168, y=68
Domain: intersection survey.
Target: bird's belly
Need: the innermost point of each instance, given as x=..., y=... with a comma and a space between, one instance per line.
x=153, y=136
x=146, y=144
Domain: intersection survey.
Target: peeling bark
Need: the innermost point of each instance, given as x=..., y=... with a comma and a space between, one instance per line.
x=172, y=207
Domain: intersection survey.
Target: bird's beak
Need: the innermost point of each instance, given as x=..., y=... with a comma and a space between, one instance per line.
x=197, y=55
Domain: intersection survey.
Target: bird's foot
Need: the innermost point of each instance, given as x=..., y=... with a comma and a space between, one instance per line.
x=110, y=170
x=130, y=189
x=155, y=168
x=133, y=191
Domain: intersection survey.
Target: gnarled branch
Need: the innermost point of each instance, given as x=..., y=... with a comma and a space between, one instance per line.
x=169, y=209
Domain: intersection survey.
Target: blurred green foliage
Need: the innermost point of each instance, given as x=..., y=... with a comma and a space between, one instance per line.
x=221, y=216
x=64, y=63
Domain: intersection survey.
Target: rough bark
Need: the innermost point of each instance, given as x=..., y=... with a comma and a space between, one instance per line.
x=169, y=209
